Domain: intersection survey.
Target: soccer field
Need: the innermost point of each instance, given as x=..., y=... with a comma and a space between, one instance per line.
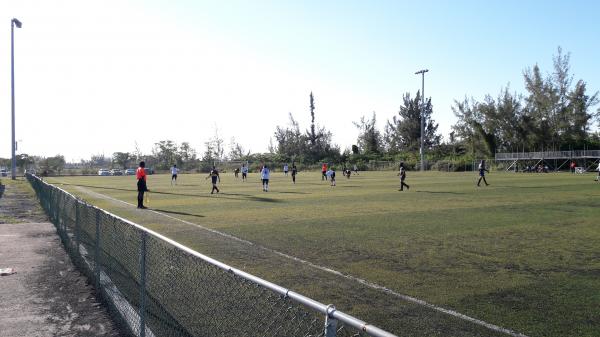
x=522, y=253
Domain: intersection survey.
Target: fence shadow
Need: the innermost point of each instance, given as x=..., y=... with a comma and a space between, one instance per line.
x=245, y=196
x=178, y=213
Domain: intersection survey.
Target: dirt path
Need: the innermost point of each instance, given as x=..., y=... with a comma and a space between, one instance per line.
x=47, y=296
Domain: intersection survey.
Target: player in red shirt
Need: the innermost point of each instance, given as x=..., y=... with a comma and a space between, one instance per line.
x=324, y=171
x=140, y=174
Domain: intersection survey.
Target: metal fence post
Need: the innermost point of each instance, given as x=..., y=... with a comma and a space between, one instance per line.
x=330, y=323
x=143, y=285
x=97, y=250
x=77, y=225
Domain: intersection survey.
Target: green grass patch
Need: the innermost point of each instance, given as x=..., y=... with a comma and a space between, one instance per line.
x=522, y=253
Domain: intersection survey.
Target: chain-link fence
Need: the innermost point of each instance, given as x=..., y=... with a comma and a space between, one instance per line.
x=157, y=287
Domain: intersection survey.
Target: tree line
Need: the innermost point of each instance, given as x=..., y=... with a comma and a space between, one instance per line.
x=554, y=113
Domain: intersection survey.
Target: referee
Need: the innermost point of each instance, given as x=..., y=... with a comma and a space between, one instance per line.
x=140, y=174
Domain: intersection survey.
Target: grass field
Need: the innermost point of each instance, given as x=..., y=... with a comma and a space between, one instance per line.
x=522, y=253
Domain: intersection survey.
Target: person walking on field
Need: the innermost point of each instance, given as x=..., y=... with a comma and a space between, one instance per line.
x=331, y=175
x=244, y=172
x=482, y=171
x=355, y=169
x=285, y=169
x=264, y=175
x=174, y=171
x=294, y=172
x=140, y=174
x=598, y=177
x=324, y=171
x=402, y=175
x=214, y=176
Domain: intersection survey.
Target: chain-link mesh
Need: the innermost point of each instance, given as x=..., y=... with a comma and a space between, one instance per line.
x=155, y=288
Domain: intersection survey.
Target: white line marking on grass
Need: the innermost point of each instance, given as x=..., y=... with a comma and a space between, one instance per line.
x=329, y=270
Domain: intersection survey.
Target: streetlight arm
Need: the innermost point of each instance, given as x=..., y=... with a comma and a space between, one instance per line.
x=17, y=23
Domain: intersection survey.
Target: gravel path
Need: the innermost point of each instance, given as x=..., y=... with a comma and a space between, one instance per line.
x=47, y=296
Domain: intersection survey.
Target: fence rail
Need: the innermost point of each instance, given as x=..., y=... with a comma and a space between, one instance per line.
x=157, y=287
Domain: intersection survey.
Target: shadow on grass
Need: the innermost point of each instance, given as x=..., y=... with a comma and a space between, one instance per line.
x=245, y=196
x=440, y=192
x=178, y=213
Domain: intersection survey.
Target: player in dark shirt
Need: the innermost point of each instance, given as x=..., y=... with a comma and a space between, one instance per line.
x=294, y=172
x=214, y=176
x=482, y=171
x=332, y=176
x=402, y=175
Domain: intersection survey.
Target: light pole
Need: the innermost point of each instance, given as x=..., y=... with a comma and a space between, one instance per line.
x=14, y=22
x=422, y=150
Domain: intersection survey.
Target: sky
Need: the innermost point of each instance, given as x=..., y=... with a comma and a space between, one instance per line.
x=96, y=77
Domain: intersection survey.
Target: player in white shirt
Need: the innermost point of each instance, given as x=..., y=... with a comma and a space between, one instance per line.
x=174, y=171
x=264, y=175
x=285, y=169
x=598, y=177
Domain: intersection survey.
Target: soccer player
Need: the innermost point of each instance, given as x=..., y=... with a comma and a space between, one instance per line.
x=598, y=177
x=331, y=175
x=214, y=175
x=236, y=171
x=482, y=171
x=244, y=172
x=174, y=171
x=140, y=174
x=324, y=171
x=402, y=175
x=355, y=169
x=264, y=174
x=285, y=169
x=294, y=172
x=347, y=172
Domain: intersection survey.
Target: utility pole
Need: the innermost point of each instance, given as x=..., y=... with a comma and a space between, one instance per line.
x=422, y=150
x=14, y=22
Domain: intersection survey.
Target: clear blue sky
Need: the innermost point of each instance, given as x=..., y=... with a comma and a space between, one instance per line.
x=86, y=69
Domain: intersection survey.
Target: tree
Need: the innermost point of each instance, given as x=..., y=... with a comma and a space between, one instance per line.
x=403, y=132
x=99, y=160
x=186, y=156
x=558, y=114
x=236, y=150
x=369, y=138
x=55, y=164
x=122, y=159
x=165, y=152
x=319, y=145
x=217, y=145
x=314, y=145
x=290, y=142
x=24, y=161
